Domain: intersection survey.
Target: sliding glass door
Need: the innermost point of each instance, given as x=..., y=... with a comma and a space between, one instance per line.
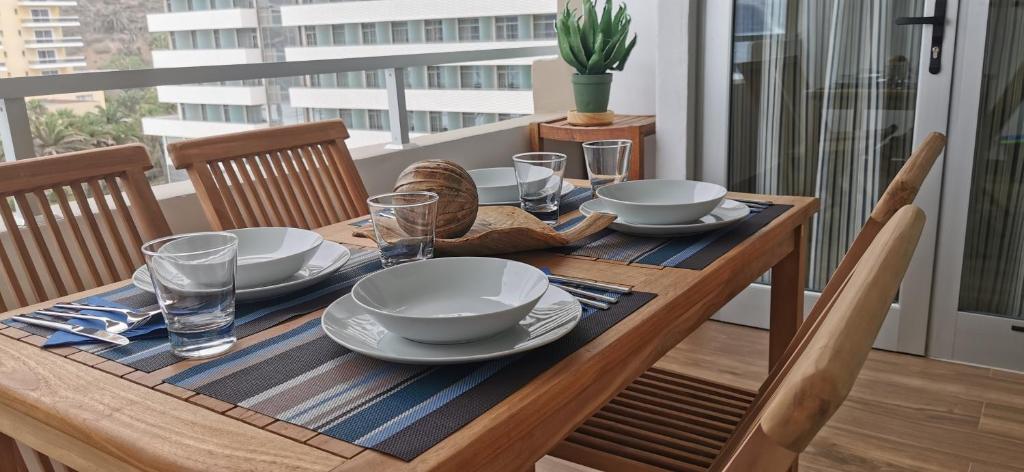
x=825, y=98
x=979, y=298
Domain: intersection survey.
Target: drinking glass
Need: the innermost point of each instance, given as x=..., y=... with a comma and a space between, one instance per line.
x=607, y=162
x=539, y=175
x=194, y=279
x=403, y=225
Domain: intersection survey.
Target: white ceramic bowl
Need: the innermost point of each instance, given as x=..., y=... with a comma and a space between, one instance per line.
x=269, y=255
x=661, y=201
x=498, y=184
x=452, y=300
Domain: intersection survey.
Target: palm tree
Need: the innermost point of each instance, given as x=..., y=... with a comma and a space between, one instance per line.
x=52, y=134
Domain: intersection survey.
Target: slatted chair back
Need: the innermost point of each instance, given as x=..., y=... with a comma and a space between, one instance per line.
x=900, y=192
x=299, y=176
x=83, y=217
x=824, y=372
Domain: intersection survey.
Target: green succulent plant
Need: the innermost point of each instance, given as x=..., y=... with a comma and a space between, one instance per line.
x=594, y=46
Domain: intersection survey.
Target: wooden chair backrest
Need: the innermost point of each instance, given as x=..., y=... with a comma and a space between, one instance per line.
x=70, y=253
x=824, y=372
x=300, y=176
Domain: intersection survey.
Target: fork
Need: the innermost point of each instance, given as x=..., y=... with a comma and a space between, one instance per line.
x=111, y=326
x=131, y=316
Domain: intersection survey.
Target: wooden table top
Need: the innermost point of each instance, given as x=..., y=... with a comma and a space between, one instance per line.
x=561, y=129
x=92, y=415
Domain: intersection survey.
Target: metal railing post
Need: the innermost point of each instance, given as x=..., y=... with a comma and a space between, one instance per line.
x=15, y=130
x=397, y=113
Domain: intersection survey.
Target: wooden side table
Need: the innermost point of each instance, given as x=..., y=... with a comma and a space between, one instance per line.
x=631, y=127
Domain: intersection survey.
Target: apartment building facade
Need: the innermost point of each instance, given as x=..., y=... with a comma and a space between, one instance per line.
x=38, y=38
x=439, y=98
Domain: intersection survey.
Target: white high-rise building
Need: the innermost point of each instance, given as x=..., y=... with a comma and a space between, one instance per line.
x=439, y=98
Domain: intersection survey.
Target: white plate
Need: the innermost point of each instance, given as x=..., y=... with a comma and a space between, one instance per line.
x=327, y=260
x=349, y=324
x=728, y=212
x=566, y=188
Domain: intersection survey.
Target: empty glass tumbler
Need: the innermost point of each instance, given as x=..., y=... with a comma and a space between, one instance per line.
x=194, y=279
x=539, y=176
x=607, y=161
x=403, y=225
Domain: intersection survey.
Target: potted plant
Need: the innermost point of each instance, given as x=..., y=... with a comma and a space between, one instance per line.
x=593, y=46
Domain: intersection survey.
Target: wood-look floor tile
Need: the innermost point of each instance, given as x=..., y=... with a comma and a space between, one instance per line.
x=1005, y=421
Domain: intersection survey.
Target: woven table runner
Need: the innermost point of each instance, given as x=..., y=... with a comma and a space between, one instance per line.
x=305, y=378
x=153, y=352
x=687, y=252
x=569, y=203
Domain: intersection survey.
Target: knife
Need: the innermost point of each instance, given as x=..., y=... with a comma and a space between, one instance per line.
x=75, y=329
x=589, y=283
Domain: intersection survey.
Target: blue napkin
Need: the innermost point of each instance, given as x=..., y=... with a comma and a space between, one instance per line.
x=154, y=327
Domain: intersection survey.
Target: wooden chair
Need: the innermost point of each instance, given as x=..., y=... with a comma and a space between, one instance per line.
x=717, y=411
x=300, y=176
x=85, y=241
x=683, y=425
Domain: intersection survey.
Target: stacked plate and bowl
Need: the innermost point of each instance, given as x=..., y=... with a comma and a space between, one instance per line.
x=271, y=262
x=663, y=207
x=479, y=308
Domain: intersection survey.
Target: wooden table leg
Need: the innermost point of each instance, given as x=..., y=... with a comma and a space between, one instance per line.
x=536, y=142
x=789, y=276
x=636, y=167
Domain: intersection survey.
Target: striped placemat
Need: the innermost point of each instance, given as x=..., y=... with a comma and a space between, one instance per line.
x=687, y=252
x=569, y=203
x=304, y=378
x=153, y=352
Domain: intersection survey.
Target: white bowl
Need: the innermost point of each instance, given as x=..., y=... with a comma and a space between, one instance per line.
x=661, y=201
x=498, y=184
x=269, y=255
x=452, y=300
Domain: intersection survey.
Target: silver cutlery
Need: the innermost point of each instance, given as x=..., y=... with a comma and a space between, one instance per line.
x=132, y=317
x=589, y=283
x=587, y=294
x=592, y=303
x=113, y=326
x=98, y=334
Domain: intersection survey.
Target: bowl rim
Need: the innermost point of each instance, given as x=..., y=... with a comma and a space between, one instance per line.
x=722, y=191
x=514, y=183
x=542, y=288
x=315, y=242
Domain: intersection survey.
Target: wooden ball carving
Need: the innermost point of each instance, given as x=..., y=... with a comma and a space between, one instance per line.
x=458, y=202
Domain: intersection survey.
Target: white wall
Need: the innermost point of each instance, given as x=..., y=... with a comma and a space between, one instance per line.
x=633, y=87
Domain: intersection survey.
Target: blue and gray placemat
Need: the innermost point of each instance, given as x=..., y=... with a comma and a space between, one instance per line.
x=150, y=350
x=305, y=378
x=686, y=252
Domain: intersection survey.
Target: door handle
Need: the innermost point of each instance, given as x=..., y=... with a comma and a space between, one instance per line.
x=938, y=23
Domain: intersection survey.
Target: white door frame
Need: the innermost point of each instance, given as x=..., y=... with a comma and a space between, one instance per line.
x=906, y=328
x=957, y=335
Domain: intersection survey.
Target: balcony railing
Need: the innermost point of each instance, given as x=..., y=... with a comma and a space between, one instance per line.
x=50, y=21
x=65, y=42
x=58, y=62
x=17, y=135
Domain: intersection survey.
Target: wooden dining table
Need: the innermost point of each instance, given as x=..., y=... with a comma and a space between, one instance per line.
x=96, y=414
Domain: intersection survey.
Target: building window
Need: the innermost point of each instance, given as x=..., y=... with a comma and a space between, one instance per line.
x=472, y=119
x=506, y=28
x=471, y=77
x=49, y=72
x=40, y=14
x=375, y=120
x=338, y=34
x=544, y=26
x=436, y=122
x=469, y=29
x=433, y=31
x=411, y=118
x=400, y=32
x=309, y=34
x=434, y=77
x=509, y=77
x=44, y=36
x=369, y=33
x=373, y=79
x=507, y=116
x=46, y=56
x=346, y=116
